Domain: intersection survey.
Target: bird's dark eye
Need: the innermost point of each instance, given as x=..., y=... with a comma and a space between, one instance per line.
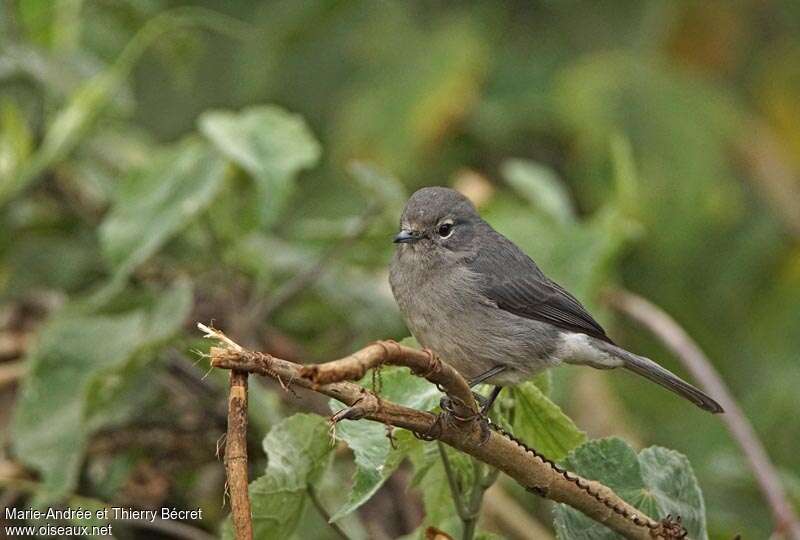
x=445, y=230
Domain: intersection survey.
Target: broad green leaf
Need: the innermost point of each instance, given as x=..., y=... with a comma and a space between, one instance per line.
x=72, y=122
x=544, y=381
x=48, y=424
x=298, y=451
x=76, y=374
x=375, y=458
x=115, y=393
x=272, y=145
x=397, y=384
x=375, y=461
x=158, y=201
x=540, y=423
x=658, y=482
x=540, y=186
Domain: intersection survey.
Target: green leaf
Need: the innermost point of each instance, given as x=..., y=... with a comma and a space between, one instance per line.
x=397, y=384
x=155, y=203
x=271, y=144
x=430, y=477
x=658, y=482
x=540, y=186
x=15, y=141
x=116, y=393
x=375, y=458
x=74, y=120
x=298, y=451
x=541, y=424
x=75, y=378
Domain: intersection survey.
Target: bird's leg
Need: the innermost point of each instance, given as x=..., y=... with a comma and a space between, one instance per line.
x=486, y=402
x=489, y=401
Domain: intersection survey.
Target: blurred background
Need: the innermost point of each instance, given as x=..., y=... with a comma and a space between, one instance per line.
x=163, y=163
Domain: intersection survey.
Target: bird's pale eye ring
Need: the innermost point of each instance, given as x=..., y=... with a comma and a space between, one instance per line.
x=445, y=229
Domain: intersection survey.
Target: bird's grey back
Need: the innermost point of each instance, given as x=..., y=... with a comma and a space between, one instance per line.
x=515, y=283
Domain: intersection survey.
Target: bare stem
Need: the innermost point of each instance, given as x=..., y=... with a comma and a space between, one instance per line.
x=236, y=456
x=452, y=480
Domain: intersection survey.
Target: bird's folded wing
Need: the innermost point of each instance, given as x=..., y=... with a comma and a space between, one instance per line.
x=520, y=287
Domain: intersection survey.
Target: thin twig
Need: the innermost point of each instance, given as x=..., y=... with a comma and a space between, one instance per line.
x=236, y=456
x=483, y=479
x=496, y=447
x=452, y=480
x=312, y=494
x=474, y=504
x=697, y=363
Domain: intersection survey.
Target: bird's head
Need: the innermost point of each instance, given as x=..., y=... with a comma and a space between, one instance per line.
x=437, y=221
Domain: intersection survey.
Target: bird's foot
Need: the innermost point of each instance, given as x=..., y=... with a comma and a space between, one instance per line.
x=448, y=414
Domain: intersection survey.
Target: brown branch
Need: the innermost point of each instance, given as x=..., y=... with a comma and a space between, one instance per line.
x=236, y=456
x=697, y=363
x=496, y=448
x=422, y=363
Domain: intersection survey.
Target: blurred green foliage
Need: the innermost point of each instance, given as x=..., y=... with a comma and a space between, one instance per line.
x=166, y=162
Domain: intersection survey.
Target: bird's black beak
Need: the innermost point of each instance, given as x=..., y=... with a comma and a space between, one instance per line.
x=405, y=237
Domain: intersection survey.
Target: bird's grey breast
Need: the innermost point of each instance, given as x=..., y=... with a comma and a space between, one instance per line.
x=435, y=299
x=447, y=313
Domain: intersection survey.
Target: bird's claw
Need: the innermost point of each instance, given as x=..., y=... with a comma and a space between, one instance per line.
x=448, y=413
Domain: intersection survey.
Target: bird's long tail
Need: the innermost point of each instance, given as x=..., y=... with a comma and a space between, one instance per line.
x=649, y=369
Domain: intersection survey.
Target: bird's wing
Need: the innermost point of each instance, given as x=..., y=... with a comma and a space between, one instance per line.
x=511, y=280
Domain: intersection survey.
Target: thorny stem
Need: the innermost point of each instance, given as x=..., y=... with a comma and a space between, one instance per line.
x=460, y=429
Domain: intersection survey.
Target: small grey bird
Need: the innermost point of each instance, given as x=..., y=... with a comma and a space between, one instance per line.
x=472, y=297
